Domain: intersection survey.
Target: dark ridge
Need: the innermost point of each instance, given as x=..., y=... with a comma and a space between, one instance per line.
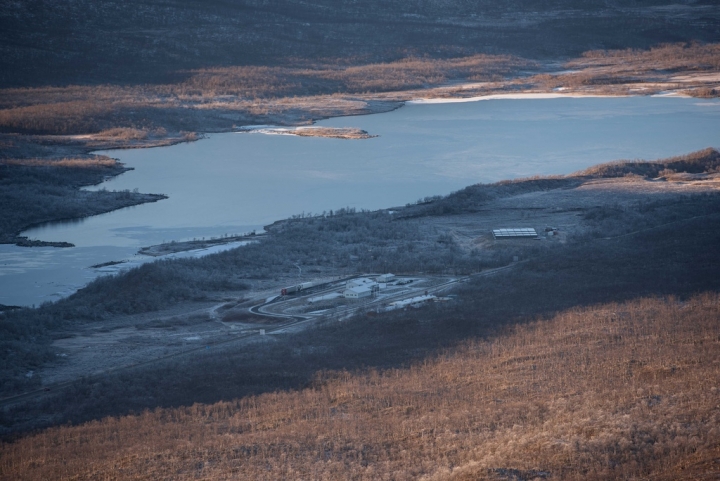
x=129, y=42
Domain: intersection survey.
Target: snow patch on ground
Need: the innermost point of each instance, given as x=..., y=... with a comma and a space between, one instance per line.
x=518, y=96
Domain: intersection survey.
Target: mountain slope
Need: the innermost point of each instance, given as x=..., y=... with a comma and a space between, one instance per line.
x=83, y=41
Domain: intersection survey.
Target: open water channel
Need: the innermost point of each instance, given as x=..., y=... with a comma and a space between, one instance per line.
x=237, y=182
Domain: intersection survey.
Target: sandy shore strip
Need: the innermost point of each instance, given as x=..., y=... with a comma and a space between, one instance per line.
x=514, y=96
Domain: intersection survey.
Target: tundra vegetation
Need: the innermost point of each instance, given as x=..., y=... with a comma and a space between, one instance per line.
x=618, y=390
x=657, y=246
x=131, y=42
x=218, y=98
x=70, y=121
x=640, y=72
x=594, y=358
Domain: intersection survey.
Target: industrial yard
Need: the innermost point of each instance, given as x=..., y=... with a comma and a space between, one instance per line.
x=129, y=342
x=134, y=342
x=346, y=297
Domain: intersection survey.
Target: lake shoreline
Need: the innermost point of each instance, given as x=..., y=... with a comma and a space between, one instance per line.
x=296, y=116
x=231, y=184
x=174, y=247
x=601, y=209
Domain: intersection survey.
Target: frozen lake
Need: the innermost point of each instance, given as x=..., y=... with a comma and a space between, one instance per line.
x=237, y=182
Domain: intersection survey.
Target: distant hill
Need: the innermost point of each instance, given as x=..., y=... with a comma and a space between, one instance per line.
x=47, y=42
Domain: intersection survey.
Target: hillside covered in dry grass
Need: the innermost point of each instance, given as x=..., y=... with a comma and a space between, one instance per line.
x=614, y=391
x=221, y=98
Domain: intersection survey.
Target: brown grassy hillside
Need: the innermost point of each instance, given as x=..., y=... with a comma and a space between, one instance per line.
x=245, y=93
x=618, y=391
x=217, y=98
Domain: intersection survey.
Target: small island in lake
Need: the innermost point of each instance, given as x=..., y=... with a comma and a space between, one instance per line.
x=327, y=132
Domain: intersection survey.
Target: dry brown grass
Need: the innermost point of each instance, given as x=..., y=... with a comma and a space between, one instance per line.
x=123, y=134
x=91, y=109
x=619, y=391
x=335, y=133
x=703, y=93
x=296, y=93
x=630, y=71
x=90, y=162
x=677, y=56
x=700, y=162
x=263, y=82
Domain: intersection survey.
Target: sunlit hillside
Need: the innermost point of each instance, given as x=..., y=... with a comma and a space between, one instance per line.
x=616, y=391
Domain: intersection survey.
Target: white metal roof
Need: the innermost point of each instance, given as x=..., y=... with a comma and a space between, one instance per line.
x=515, y=232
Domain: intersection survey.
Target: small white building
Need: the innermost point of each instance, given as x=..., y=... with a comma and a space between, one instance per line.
x=357, y=292
x=385, y=278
